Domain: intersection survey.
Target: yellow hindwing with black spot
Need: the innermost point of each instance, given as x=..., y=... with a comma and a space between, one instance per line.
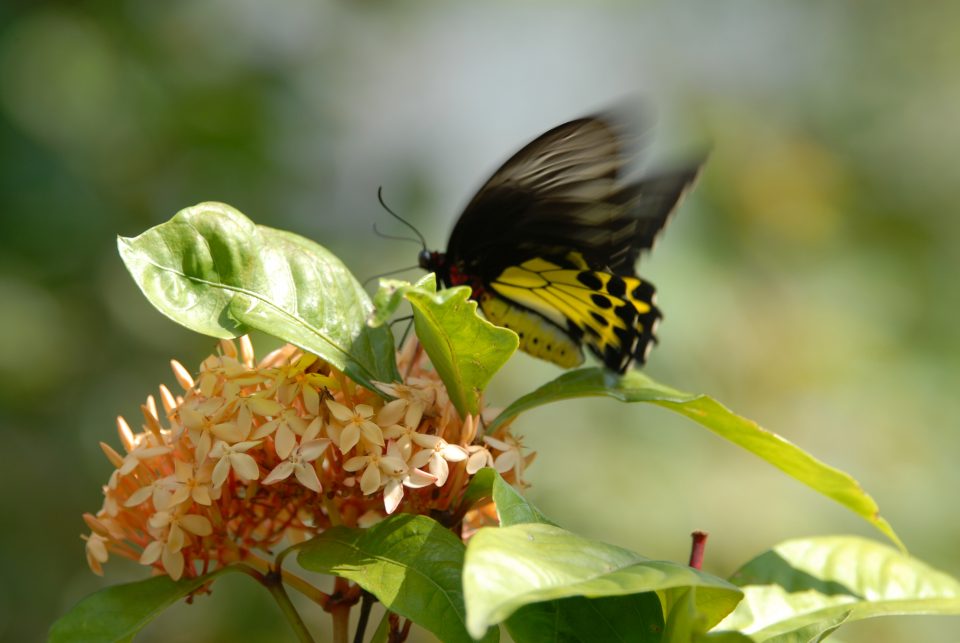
x=553, y=308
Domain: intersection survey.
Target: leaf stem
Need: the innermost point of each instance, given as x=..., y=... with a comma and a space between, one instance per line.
x=274, y=583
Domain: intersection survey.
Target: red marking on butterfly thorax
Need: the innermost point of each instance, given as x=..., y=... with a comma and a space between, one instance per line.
x=459, y=278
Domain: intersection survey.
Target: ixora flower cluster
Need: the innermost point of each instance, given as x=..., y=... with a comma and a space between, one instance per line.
x=253, y=454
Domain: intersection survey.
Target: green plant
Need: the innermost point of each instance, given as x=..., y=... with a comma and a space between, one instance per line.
x=255, y=457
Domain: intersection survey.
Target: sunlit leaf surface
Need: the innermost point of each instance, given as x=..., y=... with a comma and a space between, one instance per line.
x=781, y=453
x=214, y=271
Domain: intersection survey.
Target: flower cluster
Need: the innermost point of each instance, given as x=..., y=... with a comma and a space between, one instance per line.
x=255, y=453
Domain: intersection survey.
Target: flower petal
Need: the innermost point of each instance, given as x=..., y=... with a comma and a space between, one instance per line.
x=151, y=553
x=313, y=449
x=313, y=429
x=392, y=495
x=201, y=495
x=244, y=466
x=391, y=413
x=454, y=453
x=439, y=468
x=280, y=472
x=370, y=480
x=505, y=461
x=307, y=476
x=499, y=445
x=371, y=432
x=349, y=437
x=264, y=407
x=196, y=524
x=139, y=496
x=283, y=441
x=173, y=563
x=265, y=429
x=311, y=399
x=413, y=415
x=220, y=472
x=339, y=411
x=418, y=479
x=420, y=458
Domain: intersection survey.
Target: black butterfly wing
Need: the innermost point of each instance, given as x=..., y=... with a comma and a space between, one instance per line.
x=536, y=199
x=553, y=237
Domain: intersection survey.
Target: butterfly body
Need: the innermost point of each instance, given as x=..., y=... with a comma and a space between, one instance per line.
x=548, y=246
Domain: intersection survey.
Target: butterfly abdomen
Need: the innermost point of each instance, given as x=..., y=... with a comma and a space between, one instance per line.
x=538, y=337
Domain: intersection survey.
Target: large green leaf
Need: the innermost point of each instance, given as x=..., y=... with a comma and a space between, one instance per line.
x=806, y=586
x=117, y=613
x=786, y=456
x=465, y=349
x=634, y=617
x=214, y=271
x=507, y=568
x=637, y=618
x=412, y=564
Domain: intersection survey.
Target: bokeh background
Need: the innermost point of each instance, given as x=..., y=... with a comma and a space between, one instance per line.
x=810, y=282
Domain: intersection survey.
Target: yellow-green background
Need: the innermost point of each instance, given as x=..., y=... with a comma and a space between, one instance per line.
x=810, y=283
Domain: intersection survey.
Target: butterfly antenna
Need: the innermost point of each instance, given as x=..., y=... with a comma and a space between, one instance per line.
x=423, y=242
x=384, y=235
x=388, y=273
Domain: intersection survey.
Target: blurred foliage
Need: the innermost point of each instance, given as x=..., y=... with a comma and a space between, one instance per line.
x=809, y=282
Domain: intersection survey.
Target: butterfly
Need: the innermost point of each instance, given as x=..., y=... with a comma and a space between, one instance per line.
x=549, y=244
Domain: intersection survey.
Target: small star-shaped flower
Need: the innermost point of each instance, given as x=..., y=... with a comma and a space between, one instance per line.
x=299, y=461
x=436, y=452
x=233, y=457
x=354, y=423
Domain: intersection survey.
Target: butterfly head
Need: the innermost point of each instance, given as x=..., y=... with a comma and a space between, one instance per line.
x=436, y=262
x=430, y=260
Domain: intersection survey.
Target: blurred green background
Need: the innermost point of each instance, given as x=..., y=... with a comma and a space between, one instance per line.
x=809, y=283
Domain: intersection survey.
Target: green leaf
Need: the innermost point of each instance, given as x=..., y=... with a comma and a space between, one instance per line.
x=685, y=622
x=480, y=488
x=117, y=613
x=786, y=456
x=214, y=271
x=636, y=617
x=412, y=564
x=465, y=349
x=513, y=508
x=392, y=293
x=507, y=568
x=804, y=588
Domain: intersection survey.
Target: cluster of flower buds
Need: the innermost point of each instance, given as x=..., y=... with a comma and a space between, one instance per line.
x=255, y=454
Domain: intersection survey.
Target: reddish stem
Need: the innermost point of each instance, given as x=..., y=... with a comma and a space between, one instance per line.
x=696, y=550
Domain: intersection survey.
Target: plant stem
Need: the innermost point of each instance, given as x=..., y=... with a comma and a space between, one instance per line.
x=274, y=583
x=340, y=611
x=333, y=513
x=696, y=550
x=365, y=604
x=296, y=582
